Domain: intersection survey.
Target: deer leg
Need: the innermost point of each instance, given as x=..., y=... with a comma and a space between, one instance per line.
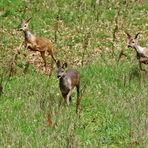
x=78, y=99
x=142, y=60
x=138, y=56
x=51, y=69
x=51, y=54
x=120, y=55
x=53, y=59
x=68, y=97
x=65, y=97
x=140, y=65
x=44, y=59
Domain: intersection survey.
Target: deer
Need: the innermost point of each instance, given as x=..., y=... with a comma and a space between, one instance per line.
x=142, y=52
x=68, y=80
x=34, y=43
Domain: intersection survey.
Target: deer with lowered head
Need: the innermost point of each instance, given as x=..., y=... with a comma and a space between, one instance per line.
x=142, y=52
x=35, y=43
x=68, y=80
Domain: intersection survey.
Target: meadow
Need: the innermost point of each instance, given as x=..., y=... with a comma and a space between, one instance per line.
x=89, y=35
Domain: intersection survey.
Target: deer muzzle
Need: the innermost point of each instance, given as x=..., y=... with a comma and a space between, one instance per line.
x=59, y=76
x=20, y=29
x=129, y=46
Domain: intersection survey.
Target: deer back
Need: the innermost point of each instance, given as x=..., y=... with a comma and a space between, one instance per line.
x=74, y=76
x=43, y=43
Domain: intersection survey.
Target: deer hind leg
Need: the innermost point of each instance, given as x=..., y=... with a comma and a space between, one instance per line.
x=142, y=60
x=52, y=56
x=52, y=61
x=44, y=59
x=78, y=99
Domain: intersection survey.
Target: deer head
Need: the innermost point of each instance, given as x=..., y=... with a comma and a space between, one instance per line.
x=132, y=41
x=24, y=25
x=61, y=69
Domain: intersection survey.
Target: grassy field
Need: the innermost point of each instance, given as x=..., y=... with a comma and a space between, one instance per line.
x=89, y=35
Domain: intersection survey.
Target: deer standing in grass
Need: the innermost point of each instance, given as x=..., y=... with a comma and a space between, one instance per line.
x=68, y=80
x=35, y=43
x=142, y=52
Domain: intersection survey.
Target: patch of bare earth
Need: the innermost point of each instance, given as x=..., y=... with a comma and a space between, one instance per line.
x=35, y=59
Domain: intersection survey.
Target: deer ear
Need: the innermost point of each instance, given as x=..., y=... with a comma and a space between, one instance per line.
x=136, y=36
x=28, y=20
x=23, y=21
x=58, y=63
x=65, y=65
x=128, y=35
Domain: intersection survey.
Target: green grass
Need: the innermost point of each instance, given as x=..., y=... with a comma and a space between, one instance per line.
x=110, y=110
x=114, y=95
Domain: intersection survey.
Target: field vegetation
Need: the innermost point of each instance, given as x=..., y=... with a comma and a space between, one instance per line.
x=89, y=36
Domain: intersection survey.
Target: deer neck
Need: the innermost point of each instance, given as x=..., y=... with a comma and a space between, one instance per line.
x=29, y=36
x=62, y=82
x=139, y=49
x=65, y=83
x=62, y=79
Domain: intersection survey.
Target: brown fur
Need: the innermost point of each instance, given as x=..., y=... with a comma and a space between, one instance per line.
x=68, y=80
x=34, y=43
